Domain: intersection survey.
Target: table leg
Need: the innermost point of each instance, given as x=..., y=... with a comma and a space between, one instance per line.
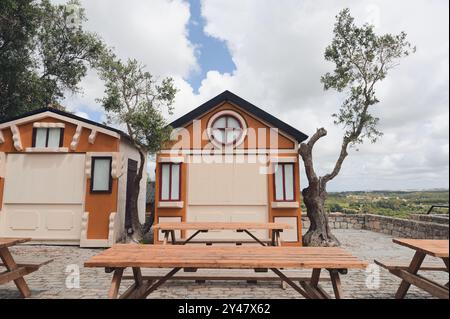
x=446, y=264
x=193, y=236
x=278, y=237
x=413, y=268
x=172, y=235
x=166, y=237
x=115, y=283
x=161, y=281
x=254, y=237
x=291, y=283
x=336, y=282
x=11, y=265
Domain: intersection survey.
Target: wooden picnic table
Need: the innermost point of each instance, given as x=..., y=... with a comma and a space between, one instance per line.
x=204, y=227
x=16, y=271
x=116, y=259
x=409, y=275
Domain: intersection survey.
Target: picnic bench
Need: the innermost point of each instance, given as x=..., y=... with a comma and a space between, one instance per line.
x=15, y=271
x=409, y=272
x=168, y=229
x=121, y=256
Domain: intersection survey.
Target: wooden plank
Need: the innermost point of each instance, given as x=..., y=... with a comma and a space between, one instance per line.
x=8, y=241
x=393, y=265
x=426, y=284
x=241, y=257
x=11, y=265
x=432, y=247
x=412, y=269
x=219, y=226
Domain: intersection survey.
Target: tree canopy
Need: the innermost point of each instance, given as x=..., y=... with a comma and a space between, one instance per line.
x=44, y=53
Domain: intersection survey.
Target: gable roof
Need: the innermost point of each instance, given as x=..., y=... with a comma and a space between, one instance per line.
x=65, y=114
x=227, y=96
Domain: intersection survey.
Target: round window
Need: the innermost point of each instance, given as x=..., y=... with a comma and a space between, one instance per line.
x=226, y=129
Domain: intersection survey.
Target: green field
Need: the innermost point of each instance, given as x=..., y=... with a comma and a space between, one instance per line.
x=389, y=203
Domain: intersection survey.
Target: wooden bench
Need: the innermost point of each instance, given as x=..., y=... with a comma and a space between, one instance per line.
x=15, y=271
x=438, y=249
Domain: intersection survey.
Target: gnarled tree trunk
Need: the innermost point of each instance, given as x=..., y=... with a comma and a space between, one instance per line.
x=314, y=196
x=138, y=228
x=319, y=233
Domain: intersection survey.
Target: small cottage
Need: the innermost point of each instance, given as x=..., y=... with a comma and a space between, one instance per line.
x=230, y=161
x=65, y=179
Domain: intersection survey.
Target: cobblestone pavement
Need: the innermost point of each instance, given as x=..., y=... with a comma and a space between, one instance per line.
x=50, y=280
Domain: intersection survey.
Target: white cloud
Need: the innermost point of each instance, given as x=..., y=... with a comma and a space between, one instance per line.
x=278, y=50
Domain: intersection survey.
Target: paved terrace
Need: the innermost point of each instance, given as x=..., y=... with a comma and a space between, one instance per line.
x=50, y=280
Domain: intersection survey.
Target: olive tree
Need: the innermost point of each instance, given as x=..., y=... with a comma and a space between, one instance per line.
x=137, y=101
x=362, y=59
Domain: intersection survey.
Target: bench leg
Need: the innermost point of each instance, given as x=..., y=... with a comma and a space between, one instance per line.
x=11, y=265
x=115, y=283
x=412, y=269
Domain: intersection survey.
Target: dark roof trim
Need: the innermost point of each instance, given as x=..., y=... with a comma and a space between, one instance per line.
x=227, y=96
x=66, y=114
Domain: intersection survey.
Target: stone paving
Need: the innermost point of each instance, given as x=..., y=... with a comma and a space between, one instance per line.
x=56, y=280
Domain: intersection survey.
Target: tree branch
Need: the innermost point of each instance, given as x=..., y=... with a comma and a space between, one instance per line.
x=305, y=152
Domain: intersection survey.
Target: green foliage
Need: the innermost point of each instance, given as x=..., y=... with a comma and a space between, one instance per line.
x=397, y=204
x=361, y=59
x=134, y=98
x=43, y=54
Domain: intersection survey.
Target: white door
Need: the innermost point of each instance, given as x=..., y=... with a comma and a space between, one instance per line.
x=43, y=197
x=227, y=192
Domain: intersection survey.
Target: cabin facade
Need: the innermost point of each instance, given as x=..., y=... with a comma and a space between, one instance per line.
x=63, y=179
x=230, y=161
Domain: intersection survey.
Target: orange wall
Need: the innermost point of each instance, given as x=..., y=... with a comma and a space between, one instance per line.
x=99, y=206
x=252, y=122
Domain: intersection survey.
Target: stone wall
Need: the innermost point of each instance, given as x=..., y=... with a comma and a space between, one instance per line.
x=406, y=228
x=434, y=218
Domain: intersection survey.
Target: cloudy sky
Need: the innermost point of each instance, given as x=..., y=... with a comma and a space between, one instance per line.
x=270, y=52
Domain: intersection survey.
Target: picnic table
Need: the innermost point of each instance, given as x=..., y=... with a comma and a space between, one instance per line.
x=15, y=271
x=409, y=273
x=121, y=256
x=168, y=229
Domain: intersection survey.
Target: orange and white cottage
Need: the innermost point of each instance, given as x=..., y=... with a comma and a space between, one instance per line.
x=63, y=179
x=230, y=161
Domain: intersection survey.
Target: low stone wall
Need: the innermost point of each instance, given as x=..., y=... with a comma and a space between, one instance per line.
x=434, y=218
x=406, y=228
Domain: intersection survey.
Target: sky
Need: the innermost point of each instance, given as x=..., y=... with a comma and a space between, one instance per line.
x=271, y=53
